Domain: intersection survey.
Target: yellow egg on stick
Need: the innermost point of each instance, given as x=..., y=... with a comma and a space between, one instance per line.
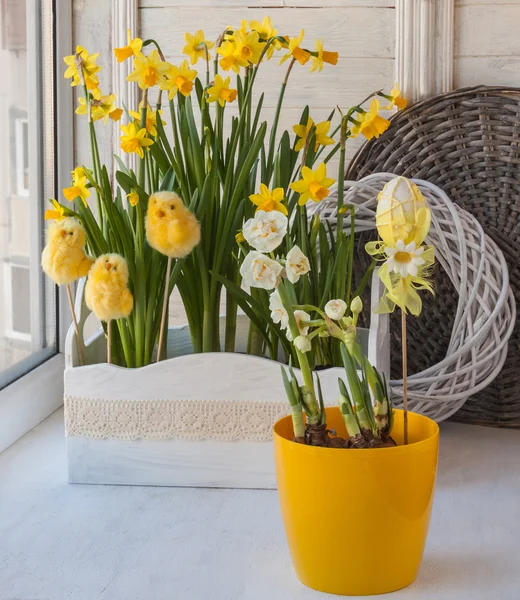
x=107, y=294
x=64, y=260
x=173, y=230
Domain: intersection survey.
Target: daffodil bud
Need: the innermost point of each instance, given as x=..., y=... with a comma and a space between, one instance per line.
x=402, y=213
x=303, y=343
x=239, y=237
x=356, y=306
x=335, y=309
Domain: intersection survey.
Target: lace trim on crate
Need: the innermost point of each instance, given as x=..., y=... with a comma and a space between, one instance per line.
x=172, y=419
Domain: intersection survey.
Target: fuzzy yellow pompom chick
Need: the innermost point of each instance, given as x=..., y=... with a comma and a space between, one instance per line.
x=63, y=258
x=106, y=293
x=171, y=228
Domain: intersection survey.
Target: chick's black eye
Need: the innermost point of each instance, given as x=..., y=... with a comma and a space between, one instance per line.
x=115, y=268
x=106, y=260
x=70, y=232
x=172, y=206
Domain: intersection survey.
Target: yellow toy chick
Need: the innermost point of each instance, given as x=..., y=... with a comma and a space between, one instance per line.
x=63, y=258
x=171, y=228
x=106, y=292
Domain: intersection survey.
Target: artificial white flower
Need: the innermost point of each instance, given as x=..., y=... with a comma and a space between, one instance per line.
x=356, y=306
x=260, y=271
x=299, y=315
x=266, y=230
x=404, y=259
x=335, y=309
x=278, y=312
x=303, y=343
x=297, y=264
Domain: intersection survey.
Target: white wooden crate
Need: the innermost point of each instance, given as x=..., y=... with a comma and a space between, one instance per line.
x=191, y=420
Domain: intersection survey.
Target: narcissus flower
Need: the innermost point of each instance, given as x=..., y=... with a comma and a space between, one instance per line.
x=77, y=190
x=134, y=139
x=178, y=79
x=102, y=107
x=220, y=91
x=258, y=270
x=322, y=139
x=133, y=197
x=133, y=48
x=303, y=343
x=296, y=264
x=301, y=317
x=314, y=185
x=88, y=65
x=336, y=309
x=279, y=313
x=148, y=70
x=268, y=201
x=197, y=46
x=58, y=212
x=395, y=99
x=265, y=32
x=299, y=54
x=78, y=173
x=230, y=57
x=323, y=56
x=248, y=46
x=371, y=124
x=266, y=230
x=151, y=119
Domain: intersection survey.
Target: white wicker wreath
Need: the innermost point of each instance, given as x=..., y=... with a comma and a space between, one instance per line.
x=485, y=313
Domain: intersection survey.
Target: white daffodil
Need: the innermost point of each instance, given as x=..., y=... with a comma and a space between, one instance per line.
x=299, y=315
x=335, y=309
x=266, y=230
x=404, y=259
x=303, y=343
x=297, y=264
x=259, y=271
x=278, y=312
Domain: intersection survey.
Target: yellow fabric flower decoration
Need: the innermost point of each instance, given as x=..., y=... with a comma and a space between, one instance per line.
x=299, y=54
x=178, y=79
x=322, y=139
x=148, y=70
x=133, y=48
x=230, y=57
x=57, y=214
x=395, y=99
x=133, y=198
x=248, y=46
x=220, y=91
x=323, y=56
x=102, y=107
x=313, y=185
x=268, y=201
x=77, y=190
x=134, y=139
x=151, y=119
x=371, y=124
x=88, y=65
x=197, y=46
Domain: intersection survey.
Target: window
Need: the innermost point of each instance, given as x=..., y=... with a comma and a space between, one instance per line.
x=27, y=298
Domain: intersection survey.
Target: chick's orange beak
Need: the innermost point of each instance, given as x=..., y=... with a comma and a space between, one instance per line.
x=63, y=233
x=108, y=266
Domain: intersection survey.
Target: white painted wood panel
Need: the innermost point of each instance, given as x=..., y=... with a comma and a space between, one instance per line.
x=488, y=70
x=266, y=3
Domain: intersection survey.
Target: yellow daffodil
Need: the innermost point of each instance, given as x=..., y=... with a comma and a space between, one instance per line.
x=134, y=139
x=299, y=54
x=220, y=91
x=57, y=214
x=88, y=65
x=178, y=79
x=77, y=190
x=151, y=119
x=268, y=201
x=133, y=48
x=395, y=99
x=148, y=70
x=102, y=107
x=314, y=185
x=266, y=31
x=197, y=46
x=77, y=174
x=230, y=58
x=323, y=56
x=322, y=139
x=133, y=197
x=248, y=46
x=371, y=124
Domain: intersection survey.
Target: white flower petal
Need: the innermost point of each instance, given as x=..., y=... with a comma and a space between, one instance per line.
x=410, y=248
x=266, y=230
x=335, y=309
x=400, y=246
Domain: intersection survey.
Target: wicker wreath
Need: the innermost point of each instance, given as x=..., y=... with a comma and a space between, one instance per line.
x=484, y=316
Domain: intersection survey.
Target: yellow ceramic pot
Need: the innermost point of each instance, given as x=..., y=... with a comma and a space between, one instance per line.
x=356, y=520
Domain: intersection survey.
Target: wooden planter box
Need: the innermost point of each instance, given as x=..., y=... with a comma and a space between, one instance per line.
x=191, y=420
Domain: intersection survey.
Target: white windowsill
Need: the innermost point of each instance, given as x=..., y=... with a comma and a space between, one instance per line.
x=31, y=399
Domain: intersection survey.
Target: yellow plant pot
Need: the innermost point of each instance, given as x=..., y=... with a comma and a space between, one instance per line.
x=356, y=520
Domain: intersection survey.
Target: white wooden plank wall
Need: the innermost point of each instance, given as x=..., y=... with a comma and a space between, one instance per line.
x=487, y=44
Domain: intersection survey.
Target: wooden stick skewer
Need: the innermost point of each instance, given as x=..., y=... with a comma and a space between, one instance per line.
x=109, y=341
x=405, y=377
x=79, y=339
x=164, y=308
